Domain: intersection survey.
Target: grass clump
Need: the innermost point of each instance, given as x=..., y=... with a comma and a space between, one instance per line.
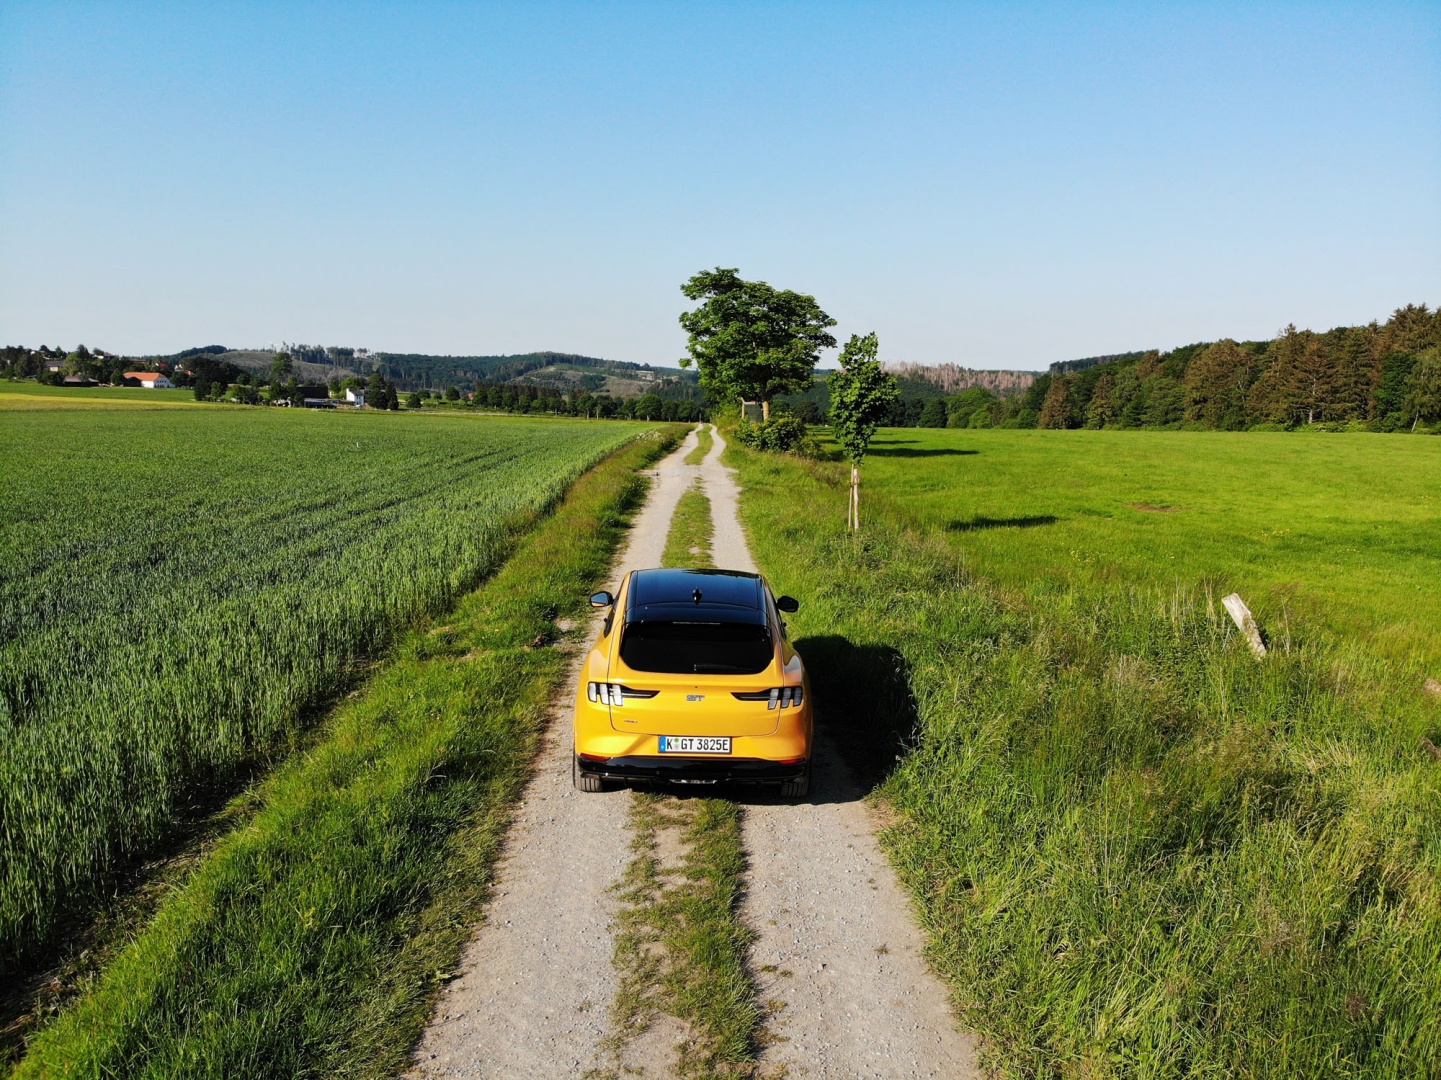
x=1136, y=851
x=679, y=946
x=311, y=941
x=688, y=542
x=704, y=441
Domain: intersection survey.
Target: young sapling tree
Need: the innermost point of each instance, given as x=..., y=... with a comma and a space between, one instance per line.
x=861, y=397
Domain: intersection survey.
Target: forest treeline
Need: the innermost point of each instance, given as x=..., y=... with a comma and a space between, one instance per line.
x=1380, y=377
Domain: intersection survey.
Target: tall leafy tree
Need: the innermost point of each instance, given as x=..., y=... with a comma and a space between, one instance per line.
x=933, y=413
x=1412, y=328
x=1388, y=397
x=1423, y=395
x=861, y=396
x=282, y=367
x=751, y=341
x=1303, y=376
x=1055, y=409
x=1102, y=410
x=1215, y=386
x=1350, y=350
x=1290, y=387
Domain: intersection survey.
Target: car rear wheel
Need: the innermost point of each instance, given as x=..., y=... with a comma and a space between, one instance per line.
x=582, y=781
x=798, y=788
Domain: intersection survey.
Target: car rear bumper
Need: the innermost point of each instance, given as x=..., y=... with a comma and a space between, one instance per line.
x=692, y=770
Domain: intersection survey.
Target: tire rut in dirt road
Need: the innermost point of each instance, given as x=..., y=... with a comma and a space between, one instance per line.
x=536, y=983
x=837, y=954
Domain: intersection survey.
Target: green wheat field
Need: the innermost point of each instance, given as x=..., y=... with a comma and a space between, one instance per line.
x=179, y=586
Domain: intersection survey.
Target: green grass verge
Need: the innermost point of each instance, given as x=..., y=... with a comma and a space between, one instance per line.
x=1136, y=851
x=704, y=441
x=311, y=941
x=688, y=542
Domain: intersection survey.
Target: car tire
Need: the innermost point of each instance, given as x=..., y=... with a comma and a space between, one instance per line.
x=799, y=788
x=582, y=781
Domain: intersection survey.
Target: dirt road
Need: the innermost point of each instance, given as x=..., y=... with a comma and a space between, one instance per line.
x=837, y=950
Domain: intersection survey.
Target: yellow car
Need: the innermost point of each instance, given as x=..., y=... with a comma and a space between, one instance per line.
x=692, y=681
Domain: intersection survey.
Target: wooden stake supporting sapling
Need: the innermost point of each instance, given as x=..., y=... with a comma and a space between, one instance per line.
x=1245, y=622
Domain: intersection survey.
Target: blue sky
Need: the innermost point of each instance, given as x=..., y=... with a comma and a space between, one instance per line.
x=992, y=185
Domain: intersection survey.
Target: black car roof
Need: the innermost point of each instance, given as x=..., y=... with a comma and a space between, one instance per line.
x=731, y=596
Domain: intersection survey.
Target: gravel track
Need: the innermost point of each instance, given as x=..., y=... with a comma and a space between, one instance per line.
x=837, y=955
x=837, y=949
x=533, y=997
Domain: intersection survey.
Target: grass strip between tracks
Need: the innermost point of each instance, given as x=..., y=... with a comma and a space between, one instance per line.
x=688, y=542
x=680, y=945
x=1136, y=850
x=704, y=441
x=311, y=942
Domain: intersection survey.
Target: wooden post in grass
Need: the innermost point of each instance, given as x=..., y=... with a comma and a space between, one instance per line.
x=1245, y=622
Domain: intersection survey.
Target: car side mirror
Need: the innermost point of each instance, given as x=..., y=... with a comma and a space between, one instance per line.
x=788, y=604
x=602, y=599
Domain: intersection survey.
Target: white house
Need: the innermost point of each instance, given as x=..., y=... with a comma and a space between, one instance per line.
x=354, y=395
x=150, y=380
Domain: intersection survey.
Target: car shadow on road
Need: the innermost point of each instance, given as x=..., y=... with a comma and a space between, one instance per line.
x=864, y=704
x=865, y=719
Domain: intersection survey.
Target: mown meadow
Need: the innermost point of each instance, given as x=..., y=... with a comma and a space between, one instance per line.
x=1136, y=850
x=179, y=588
x=1341, y=532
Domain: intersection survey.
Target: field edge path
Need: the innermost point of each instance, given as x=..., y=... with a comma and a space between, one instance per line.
x=536, y=981
x=838, y=952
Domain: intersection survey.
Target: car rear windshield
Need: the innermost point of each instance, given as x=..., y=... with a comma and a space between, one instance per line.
x=685, y=648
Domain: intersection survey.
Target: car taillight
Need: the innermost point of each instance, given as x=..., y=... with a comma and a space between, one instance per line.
x=782, y=697
x=613, y=693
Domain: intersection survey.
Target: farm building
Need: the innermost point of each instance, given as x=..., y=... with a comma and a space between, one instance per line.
x=355, y=396
x=151, y=380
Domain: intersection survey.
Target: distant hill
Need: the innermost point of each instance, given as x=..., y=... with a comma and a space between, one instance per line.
x=1068, y=367
x=617, y=378
x=420, y=370
x=947, y=379
x=426, y=371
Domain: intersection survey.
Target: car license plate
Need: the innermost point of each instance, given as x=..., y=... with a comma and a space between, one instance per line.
x=694, y=744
